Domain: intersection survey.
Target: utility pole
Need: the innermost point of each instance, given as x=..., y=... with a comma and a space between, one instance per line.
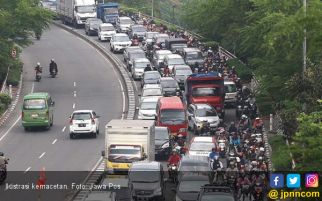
x=304, y=40
x=152, y=9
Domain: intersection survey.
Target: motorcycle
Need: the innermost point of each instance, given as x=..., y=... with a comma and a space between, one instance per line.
x=239, y=111
x=222, y=148
x=173, y=172
x=135, y=42
x=53, y=73
x=38, y=76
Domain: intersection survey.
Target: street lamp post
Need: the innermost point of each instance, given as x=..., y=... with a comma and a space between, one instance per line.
x=152, y=9
x=304, y=40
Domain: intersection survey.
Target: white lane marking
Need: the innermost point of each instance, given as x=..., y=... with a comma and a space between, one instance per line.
x=74, y=93
x=97, y=163
x=42, y=155
x=27, y=169
x=74, y=84
x=32, y=87
x=6, y=133
x=117, y=75
x=74, y=106
x=54, y=141
x=63, y=130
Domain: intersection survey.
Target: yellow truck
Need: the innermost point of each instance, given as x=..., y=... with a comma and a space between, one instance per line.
x=128, y=141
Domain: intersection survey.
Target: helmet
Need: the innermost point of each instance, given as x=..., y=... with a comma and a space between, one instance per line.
x=257, y=118
x=238, y=159
x=232, y=123
x=180, y=135
x=209, y=48
x=174, y=151
x=244, y=116
x=233, y=67
x=38, y=64
x=261, y=149
x=52, y=60
x=260, y=158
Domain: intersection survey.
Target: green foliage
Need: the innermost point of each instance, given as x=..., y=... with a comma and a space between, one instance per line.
x=243, y=71
x=308, y=142
x=5, y=99
x=14, y=74
x=280, y=154
x=213, y=44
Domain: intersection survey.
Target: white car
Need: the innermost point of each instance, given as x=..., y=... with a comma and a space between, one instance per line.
x=151, y=92
x=230, y=92
x=138, y=67
x=200, y=148
x=171, y=60
x=106, y=31
x=123, y=24
x=147, y=108
x=119, y=42
x=83, y=122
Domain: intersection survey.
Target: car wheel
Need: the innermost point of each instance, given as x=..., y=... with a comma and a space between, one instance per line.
x=94, y=134
x=71, y=135
x=27, y=129
x=98, y=131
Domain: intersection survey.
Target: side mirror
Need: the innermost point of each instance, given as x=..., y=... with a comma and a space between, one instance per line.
x=103, y=153
x=53, y=103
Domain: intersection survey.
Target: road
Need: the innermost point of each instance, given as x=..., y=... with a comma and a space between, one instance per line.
x=86, y=80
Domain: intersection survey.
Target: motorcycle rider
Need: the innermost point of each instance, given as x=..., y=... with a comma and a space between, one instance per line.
x=147, y=68
x=244, y=123
x=231, y=171
x=166, y=71
x=210, y=53
x=216, y=166
x=238, y=83
x=232, y=128
x=3, y=160
x=205, y=128
x=53, y=67
x=258, y=124
x=38, y=68
x=234, y=140
x=174, y=158
x=214, y=153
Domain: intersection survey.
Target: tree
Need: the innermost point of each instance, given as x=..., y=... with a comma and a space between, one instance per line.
x=18, y=21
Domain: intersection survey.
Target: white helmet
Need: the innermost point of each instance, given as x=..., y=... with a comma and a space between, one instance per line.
x=38, y=64
x=261, y=149
x=52, y=60
x=238, y=159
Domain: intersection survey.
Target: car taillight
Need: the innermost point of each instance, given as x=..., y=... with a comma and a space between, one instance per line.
x=93, y=121
x=70, y=121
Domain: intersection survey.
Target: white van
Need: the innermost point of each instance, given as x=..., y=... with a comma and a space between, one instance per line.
x=231, y=92
x=106, y=31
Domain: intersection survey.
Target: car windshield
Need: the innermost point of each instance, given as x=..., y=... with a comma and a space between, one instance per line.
x=175, y=61
x=152, y=92
x=85, y=9
x=143, y=176
x=81, y=116
x=180, y=45
x=199, y=92
x=194, y=55
x=122, y=38
x=206, y=113
x=173, y=116
x=151, y=76
x=34, y=104
x=191, y=186
x=201, y=146
x=125, y=21
x=119, y=150
x=138, y=29
x=107, y=28
x=168, y=83
x=161, y=134
x=183, y=72
x=148, y=105
x=151, y=35
x=217, y=197
x=230, y=88
x=141, y=64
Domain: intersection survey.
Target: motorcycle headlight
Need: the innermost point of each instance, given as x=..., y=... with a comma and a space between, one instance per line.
x=173, y=167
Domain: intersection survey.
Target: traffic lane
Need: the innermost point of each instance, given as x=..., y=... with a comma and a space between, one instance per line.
x=57, y=44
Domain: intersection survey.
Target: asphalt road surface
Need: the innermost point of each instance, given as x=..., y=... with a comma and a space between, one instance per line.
x=86, y=80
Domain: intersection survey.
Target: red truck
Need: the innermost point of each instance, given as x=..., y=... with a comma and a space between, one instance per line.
x=206, y=88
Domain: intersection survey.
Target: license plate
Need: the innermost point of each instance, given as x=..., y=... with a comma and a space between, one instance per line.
x=81, y=125
x=34, y=115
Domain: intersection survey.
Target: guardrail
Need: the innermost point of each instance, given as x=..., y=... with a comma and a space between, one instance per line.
x=5, y=89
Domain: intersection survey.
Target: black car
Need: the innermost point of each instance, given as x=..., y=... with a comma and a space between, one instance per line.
x=136, y=54
x=189, y=187
x=213, y=192
x=91, y=26
x=163, y=144
x=170, y=87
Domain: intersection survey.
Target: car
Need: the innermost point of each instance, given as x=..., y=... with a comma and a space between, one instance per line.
x=213, y=192
x=146, y=180
x=119, y=42
x=158, y=57
x=193, y=164
x=192, y=56
x=189, y=187
x=147, y=108
x=139, y=30
x=197, y=113
x=180, y=74
x=206, y=139
x=160, y=40
x=91, y=26
x=171, y=60
x=169, y=87
x=128, y=50
x=123, y=24
x=138, y=67
x=136, y=54
x=151, y=92
x=106, y=31
x=83, y=122
x=150, y=77
x=176, y=45
x=230, y=93
x=163, y=143
x=200, y=148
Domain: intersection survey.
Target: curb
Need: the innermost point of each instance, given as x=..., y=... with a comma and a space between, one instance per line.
x=13, y=105
x=129, y=113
